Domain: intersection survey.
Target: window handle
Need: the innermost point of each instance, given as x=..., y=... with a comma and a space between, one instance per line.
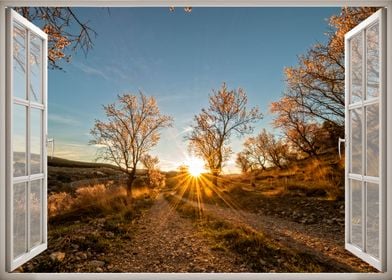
x=340, y=141
x=50, y=140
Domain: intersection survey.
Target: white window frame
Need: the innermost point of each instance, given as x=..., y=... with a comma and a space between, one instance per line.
x=379, y=17
x=194, y=3
x=12, y=263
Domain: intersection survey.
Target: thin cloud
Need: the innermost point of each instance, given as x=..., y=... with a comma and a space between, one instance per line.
x=62, y=119
x=90, y=70
x=185, y=130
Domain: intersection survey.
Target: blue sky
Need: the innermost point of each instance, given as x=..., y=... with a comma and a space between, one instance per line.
x=178, y=58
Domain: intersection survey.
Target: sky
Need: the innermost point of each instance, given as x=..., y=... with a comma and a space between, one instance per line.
x=178, y=58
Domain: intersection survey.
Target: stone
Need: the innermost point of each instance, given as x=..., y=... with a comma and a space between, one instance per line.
x=81, y=255
x=57, y=256
x=97, y=263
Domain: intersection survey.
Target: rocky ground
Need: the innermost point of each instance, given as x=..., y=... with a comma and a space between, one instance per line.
x=298, y=230
x=158, y=238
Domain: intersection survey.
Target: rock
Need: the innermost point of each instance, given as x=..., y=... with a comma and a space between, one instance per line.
x=81, y=255
x=30, y=267
x=98, y=269
x=57, y=256
x=97, y=263
x=19, y=269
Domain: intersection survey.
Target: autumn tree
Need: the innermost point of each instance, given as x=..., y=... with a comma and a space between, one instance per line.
x=265, y=150
x=277, y=151
x=243, y=162
x=155, y=178
x=300, y=129
x=316, y=84
x=131, y=129
x=66, y=31
x=256, y=150
x=213, y=128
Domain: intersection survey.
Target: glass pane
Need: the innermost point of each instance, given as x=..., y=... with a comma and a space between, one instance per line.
x=372, y=136
x=35, y=212
x=372, y=218
x=356, y=68
x=19, y=61
x=356, y=141
x=356, y=213
x=19, y=140
x=36, y=141
x=19, y=217
x=373, y=61
x=35, y=68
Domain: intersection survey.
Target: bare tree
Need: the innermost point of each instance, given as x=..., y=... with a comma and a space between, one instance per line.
x=66, y=31
x=316, y=84
x=299, y=128
x=277, y=151
x=132, y=128
x=155, y=177
x=265, y=150
x=226, y=115
x=149, y=161
x=256, y=150
x=243, y=162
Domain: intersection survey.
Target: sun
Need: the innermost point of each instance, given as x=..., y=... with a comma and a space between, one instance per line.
x=195, y=166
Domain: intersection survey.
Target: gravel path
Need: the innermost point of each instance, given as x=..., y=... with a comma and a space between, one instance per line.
x=166, y=242
x=313, y=239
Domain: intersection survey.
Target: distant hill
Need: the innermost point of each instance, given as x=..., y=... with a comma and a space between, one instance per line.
x=61, y=162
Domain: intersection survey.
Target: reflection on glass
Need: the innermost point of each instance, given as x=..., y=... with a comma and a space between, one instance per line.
x=356, y=213
x=356, y=141
x=35, y=212
x=19, y=140
x=36, y=139
x=372, y=61
x=19, y=61
x=35, y=68
x=356, y=68
x=372, y=218
x=372, y=140
x=19, y=219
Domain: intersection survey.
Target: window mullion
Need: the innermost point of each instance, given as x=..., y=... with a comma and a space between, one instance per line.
x=28, y=218
x=364, y=140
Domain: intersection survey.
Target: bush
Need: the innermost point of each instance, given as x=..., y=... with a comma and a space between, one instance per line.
x=156, y=179
x=95, y=200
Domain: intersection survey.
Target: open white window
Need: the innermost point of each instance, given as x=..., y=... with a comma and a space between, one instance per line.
x=366, y=140
x=26, y=140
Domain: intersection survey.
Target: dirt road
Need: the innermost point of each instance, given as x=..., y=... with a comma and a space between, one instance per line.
x=165, y=242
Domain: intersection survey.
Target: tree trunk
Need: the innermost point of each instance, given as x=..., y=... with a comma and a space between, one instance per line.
x=215, y=176
x=131, y=178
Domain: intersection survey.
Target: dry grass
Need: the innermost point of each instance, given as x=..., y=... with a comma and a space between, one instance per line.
x=95, y=201
x=312, y=177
